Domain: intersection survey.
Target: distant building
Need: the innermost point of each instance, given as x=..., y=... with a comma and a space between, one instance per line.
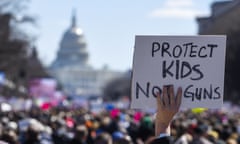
x=71, y=66
x=224, y=20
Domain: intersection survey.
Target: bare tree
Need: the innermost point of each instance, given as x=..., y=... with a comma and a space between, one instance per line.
x=18, y=60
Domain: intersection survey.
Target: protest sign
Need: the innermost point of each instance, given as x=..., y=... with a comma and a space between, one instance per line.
x=195, y=63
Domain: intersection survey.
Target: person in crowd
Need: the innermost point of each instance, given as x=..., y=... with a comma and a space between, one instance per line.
x=9, y=137
x=80, y=135
x=32, y=136
x=213, y=136
x=231, y=141
x=200, y=134
x=103, y=138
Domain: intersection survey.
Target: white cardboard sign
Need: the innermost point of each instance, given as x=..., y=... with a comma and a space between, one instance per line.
x=195, y=63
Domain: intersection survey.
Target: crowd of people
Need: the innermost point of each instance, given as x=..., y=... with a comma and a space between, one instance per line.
x=114, y=126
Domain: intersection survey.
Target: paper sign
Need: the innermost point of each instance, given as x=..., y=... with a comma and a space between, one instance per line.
x=195, y=63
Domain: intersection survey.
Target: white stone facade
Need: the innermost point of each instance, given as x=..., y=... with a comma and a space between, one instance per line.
x=71, y=66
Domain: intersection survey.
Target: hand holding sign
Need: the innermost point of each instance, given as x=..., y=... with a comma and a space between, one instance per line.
x=190, y=62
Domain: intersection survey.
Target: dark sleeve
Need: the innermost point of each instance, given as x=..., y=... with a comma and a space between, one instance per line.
x=164, y=140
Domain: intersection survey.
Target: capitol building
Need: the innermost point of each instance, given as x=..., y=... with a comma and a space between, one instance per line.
x=71, y=67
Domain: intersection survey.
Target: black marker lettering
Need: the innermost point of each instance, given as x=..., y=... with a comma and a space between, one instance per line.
x=177, y=69
x=155, y=47
x=207, y=94
x=156, y=90
x=193, y=51
x=139, y=88
x=185, y=66
x=177, y=51
x=198, y=93
x=212, y=46
x=186, y=48
x=165, y=47
x=188, y=94
x=200, y=52
x=217, y=92
x=196, y=68
x=166, y=70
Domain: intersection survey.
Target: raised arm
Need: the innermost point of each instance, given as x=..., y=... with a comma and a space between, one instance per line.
x=167, y=106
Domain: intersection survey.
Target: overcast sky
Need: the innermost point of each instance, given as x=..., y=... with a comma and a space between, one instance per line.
x=110, y=26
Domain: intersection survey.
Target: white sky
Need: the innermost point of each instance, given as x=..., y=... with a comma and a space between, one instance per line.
x=110, y=26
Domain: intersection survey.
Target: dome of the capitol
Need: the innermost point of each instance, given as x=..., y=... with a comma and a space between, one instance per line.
x=71, y=68
x=73, y=47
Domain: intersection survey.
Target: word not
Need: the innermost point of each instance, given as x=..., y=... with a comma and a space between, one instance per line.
x=195, y=93
x=184, y=50
x=182, y=69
